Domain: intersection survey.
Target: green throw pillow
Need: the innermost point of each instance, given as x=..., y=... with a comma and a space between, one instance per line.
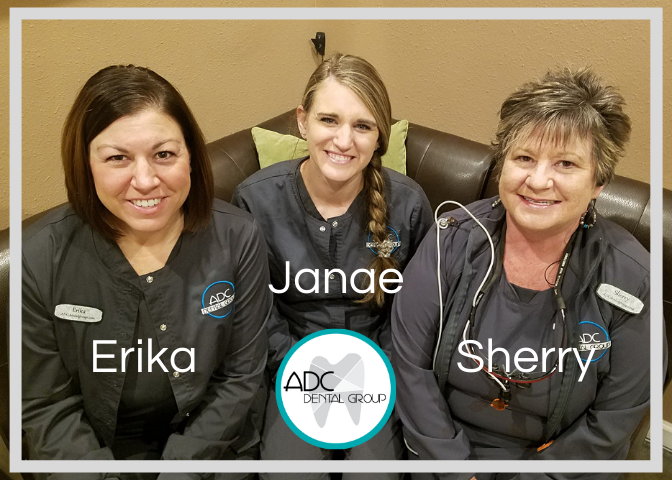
x=273, y=147
x=395, y=157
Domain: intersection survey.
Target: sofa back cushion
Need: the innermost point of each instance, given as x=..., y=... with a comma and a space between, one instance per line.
x=447, y=167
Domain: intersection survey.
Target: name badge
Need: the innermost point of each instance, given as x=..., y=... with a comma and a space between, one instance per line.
x=620, y=298
x=78, y=313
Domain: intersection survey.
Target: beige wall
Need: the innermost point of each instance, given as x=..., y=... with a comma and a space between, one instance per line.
x=454, y=75
x=449, y=75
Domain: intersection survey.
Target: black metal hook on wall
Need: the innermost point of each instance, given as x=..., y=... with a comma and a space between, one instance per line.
x=320, y=43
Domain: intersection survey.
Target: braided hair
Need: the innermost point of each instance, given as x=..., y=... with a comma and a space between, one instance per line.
x=362, y=78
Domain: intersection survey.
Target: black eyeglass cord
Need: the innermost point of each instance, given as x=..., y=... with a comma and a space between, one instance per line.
x=499, y=376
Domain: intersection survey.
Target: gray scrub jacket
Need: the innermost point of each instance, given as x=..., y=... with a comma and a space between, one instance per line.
x=212, y=296
x=458, y=422
x=296, y=233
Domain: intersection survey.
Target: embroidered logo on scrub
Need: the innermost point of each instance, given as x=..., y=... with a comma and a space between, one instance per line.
x=593, y=337
x=217, y=299
x=389, y=246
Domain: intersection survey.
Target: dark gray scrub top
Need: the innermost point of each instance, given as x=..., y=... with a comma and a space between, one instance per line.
x=211, y=296
x=295, y=232
x=511, y=324
x=147, y=404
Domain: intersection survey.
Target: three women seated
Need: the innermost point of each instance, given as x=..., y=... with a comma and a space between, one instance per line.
x=148, y=322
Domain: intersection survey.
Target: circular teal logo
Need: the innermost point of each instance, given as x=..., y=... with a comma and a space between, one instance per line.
x=335, y=389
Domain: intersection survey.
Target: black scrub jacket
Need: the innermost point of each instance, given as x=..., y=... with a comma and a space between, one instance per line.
x=457, y=422
x=295, y=232
x=212, y=296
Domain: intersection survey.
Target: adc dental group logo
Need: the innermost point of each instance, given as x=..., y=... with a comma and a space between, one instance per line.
x=335, y=389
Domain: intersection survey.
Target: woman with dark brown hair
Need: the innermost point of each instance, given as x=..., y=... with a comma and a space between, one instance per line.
x=338, y=208
x=141, y=260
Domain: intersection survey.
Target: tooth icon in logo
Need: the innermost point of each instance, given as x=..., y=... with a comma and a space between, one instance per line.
x=348, y=378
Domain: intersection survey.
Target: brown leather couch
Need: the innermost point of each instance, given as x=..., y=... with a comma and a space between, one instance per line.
x=446, y=166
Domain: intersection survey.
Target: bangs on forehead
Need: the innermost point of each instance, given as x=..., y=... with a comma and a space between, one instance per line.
x=558, y=130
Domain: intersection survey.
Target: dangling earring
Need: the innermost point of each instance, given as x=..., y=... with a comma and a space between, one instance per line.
x=590, y=217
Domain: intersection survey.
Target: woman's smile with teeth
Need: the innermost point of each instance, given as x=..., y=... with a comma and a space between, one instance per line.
x=146, y=203
x=339, y=158
x=539, y=202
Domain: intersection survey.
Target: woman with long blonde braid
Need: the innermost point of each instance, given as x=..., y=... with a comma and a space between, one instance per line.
x=338, y=208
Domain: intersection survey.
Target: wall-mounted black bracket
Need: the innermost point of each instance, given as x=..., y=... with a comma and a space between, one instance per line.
x=320, y=42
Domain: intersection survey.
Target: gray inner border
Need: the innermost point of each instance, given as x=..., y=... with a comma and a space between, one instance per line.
x=654, y=15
